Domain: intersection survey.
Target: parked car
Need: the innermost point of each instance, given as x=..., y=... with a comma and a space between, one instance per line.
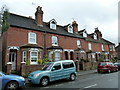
x=54, y=71
x=118, y=64
x=106, y=67
x=11, y=82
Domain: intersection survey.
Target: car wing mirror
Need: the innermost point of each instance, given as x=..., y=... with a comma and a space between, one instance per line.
x=53, y=69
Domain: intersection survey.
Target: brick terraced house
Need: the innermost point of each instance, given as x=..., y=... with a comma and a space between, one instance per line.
x=31, y=39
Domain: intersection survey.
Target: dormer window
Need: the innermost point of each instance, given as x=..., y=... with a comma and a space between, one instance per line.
x=95, y=36
x=84, y=34
x=70, y=29
x=53, y=24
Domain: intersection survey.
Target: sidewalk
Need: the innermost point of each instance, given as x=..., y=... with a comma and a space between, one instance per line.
x=86, y=72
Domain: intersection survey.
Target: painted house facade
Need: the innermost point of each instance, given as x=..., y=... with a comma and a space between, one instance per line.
x=30, y=39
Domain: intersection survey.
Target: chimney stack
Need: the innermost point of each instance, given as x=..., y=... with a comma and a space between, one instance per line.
x=39, y=16
x=75, y=26
x=99, y=34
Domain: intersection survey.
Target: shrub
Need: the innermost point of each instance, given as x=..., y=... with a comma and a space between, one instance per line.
x=39, y=61
x=46, y=59
x=27, y=62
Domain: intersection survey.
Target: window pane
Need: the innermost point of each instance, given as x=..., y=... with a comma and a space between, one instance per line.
x=33, y=59
x=33, y=53
x=57, y=56
x=57, y=66
x=32, y=37
x=54, y=40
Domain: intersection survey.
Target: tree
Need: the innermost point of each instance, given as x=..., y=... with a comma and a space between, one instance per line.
x=4, y=15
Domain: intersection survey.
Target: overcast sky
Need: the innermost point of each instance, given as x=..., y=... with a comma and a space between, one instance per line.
x=89, y=14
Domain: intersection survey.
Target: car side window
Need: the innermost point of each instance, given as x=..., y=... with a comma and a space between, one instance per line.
x=67, y=65
x=57, y=66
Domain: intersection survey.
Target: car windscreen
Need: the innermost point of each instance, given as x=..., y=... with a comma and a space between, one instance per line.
x=102, y=64
x=47, y=66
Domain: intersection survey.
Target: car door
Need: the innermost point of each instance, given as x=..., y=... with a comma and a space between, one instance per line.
x=56, y=72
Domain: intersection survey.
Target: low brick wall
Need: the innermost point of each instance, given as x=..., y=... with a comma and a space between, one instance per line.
x=25, y=69
x=90, y=65
x=31, y=68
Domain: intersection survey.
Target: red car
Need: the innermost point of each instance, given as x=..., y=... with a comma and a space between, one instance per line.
x=106, y=67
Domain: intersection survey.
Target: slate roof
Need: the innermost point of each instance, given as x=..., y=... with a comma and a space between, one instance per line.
x=28, y=23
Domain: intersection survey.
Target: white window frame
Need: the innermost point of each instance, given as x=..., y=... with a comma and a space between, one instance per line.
x=52, y=26
x=84, y=34
x=30, y=37
x=24, y=56
x=50, y=55
x=89, y=46
x=95, y=37
x=57, y=58
x=54, y=43
x=78, y=43
x=31, y=62
x=102, y=46
x=70, y=29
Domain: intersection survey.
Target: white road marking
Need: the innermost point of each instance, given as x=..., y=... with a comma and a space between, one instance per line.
x=91, y=86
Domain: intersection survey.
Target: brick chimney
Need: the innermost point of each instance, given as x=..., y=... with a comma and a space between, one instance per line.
x=99, y=34
x=75, y=26
x=39, y=16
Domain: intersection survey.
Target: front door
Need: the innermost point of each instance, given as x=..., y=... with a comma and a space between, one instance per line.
x=13, y=60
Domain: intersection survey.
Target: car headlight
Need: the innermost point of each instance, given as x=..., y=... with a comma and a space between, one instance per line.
x=36, y=75
x=22, y=78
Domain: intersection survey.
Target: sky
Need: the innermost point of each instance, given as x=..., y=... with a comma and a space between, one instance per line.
x=89, y=14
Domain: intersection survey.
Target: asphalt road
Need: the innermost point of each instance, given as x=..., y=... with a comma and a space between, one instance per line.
x=107, y=80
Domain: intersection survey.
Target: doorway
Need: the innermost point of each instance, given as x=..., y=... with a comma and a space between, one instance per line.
x=12, y=59
x=66, y=55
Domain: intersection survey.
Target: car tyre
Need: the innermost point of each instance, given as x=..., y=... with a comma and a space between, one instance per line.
x=13, y=85
x=72, y=77
x=44, y=81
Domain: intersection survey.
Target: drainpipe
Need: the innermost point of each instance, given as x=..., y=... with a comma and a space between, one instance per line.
x=45, y=49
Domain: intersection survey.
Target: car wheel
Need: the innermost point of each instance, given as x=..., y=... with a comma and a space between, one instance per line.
x=13, y=85
x=109, y=71
x=116, y=70
x=72, y=77
x=44, y=81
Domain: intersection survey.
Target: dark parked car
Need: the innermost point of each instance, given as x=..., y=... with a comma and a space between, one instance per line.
x=118, y=64
x=106, y=67
x=11, y=82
